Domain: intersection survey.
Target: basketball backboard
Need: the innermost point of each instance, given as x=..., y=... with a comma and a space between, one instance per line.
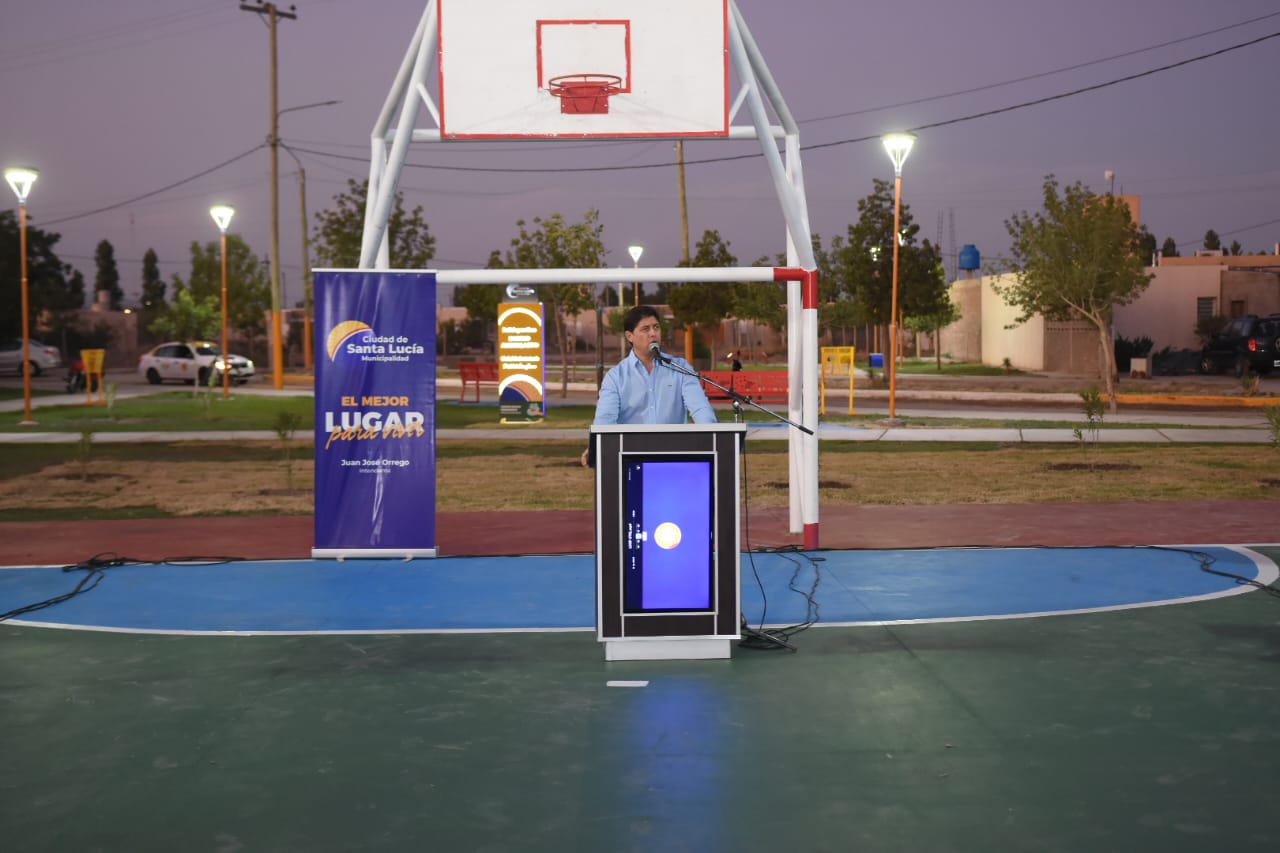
x=583, y=68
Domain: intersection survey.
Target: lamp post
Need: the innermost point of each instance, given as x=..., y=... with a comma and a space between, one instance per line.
x=21, y=178
x=898, y=145
x=222, y=214
x=636, y=252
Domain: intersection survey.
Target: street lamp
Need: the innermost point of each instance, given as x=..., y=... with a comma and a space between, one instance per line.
x=21, y=178
x=636, y=252
x=898, y=145
x=222, y=214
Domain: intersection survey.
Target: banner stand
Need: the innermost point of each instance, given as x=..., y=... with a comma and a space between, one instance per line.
x=375, y=427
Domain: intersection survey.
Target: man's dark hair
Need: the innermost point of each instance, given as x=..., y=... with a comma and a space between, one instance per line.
x=638, y=313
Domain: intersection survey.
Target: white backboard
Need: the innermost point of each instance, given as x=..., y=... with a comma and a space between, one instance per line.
x=634, y=68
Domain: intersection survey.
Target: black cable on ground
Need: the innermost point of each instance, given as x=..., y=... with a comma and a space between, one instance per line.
x=776, y=638
x=95, y=570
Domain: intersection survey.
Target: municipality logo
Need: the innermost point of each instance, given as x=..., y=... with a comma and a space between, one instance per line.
x=357, y=338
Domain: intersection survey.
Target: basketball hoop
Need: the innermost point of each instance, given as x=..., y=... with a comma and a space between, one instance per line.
x=584, y=94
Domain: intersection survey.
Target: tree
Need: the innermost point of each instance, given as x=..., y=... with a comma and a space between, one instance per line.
x=703, y=304
x=480, y=300
x=554, y=244
x=1076, y=259
x=862, y=266
x=1236, y=248
x=152, y=285
x=248, y=285
x=1169, y=249
x=188, y=317
x=933, y=308
x=339, y=231
x=766, y=301
x=1211, y=240
x=1146, y=244
x=47, y=288
x=107, y=277
x=75, y=289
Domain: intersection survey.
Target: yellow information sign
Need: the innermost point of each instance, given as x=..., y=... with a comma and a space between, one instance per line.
x=520, y=362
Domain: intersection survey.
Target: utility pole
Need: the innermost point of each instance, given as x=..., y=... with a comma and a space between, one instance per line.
x=684, y=238
x=273, y=141
x=307, y=292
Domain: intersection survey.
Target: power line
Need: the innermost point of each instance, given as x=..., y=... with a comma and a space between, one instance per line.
x=165, y=188
x=708, y=160
x=1077, y=66
x=1095, y=87
x=820, y=145
x=1189, y=243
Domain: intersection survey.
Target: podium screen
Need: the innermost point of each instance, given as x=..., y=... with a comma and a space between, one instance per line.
x=668, y=533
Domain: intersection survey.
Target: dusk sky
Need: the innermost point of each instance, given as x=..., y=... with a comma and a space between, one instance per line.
x=113, y=101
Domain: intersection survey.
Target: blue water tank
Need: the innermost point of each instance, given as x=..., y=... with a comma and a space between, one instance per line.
x=969, y=257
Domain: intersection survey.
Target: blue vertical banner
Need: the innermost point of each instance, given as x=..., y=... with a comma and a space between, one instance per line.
x=375, y=454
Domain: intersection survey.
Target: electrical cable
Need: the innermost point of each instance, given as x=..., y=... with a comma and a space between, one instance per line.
x=776, y=638
x=1076, y=67
x=95, y=570
x=703, y=161
x=821, y=145
x=166, y=188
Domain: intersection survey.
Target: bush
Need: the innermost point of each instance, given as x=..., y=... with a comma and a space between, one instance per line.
x=1126, y=350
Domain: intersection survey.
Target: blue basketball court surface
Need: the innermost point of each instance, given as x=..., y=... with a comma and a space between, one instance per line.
x=557, y=593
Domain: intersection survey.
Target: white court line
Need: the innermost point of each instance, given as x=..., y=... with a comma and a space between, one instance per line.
x=1268, y=573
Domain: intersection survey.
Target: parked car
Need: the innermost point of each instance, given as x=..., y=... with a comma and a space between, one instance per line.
x=42, y=356
x=192, y=361
x=1248, y=344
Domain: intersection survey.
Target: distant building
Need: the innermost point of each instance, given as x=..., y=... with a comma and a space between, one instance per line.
x=1185, y=290
x=1181, y=293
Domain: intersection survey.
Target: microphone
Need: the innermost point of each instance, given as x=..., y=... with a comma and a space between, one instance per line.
x=656, y=352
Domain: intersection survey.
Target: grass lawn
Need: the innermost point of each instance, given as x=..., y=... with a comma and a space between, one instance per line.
x=182, y=411
x=61, y=482
x=89, y=479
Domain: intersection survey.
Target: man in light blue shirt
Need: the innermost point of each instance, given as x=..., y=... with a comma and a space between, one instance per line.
x=641, y=391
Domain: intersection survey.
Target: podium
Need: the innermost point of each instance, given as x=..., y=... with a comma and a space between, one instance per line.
x=667, y=540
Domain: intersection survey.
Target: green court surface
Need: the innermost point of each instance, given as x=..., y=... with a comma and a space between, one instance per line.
x=1133, y=730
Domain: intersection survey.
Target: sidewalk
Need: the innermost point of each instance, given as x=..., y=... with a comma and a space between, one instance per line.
x=1199, y=418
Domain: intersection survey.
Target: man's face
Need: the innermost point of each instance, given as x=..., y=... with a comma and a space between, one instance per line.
x=647, y=332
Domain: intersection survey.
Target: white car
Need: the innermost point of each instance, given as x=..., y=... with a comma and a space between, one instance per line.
x=42, y=356
x=192, y=361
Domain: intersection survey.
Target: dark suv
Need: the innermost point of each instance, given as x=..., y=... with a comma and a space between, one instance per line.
x=1248, y=344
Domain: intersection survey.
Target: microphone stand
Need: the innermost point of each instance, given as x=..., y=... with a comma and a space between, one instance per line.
x=749, y=634
x=738, y=399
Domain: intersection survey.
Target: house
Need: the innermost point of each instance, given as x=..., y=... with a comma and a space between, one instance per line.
x=1184, y=291
x=986, y=333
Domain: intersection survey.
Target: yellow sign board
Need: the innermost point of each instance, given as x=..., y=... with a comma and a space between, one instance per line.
x=520, y=362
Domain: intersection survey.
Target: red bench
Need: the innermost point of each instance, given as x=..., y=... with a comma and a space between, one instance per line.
x=477, y=373
x=762, y=386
